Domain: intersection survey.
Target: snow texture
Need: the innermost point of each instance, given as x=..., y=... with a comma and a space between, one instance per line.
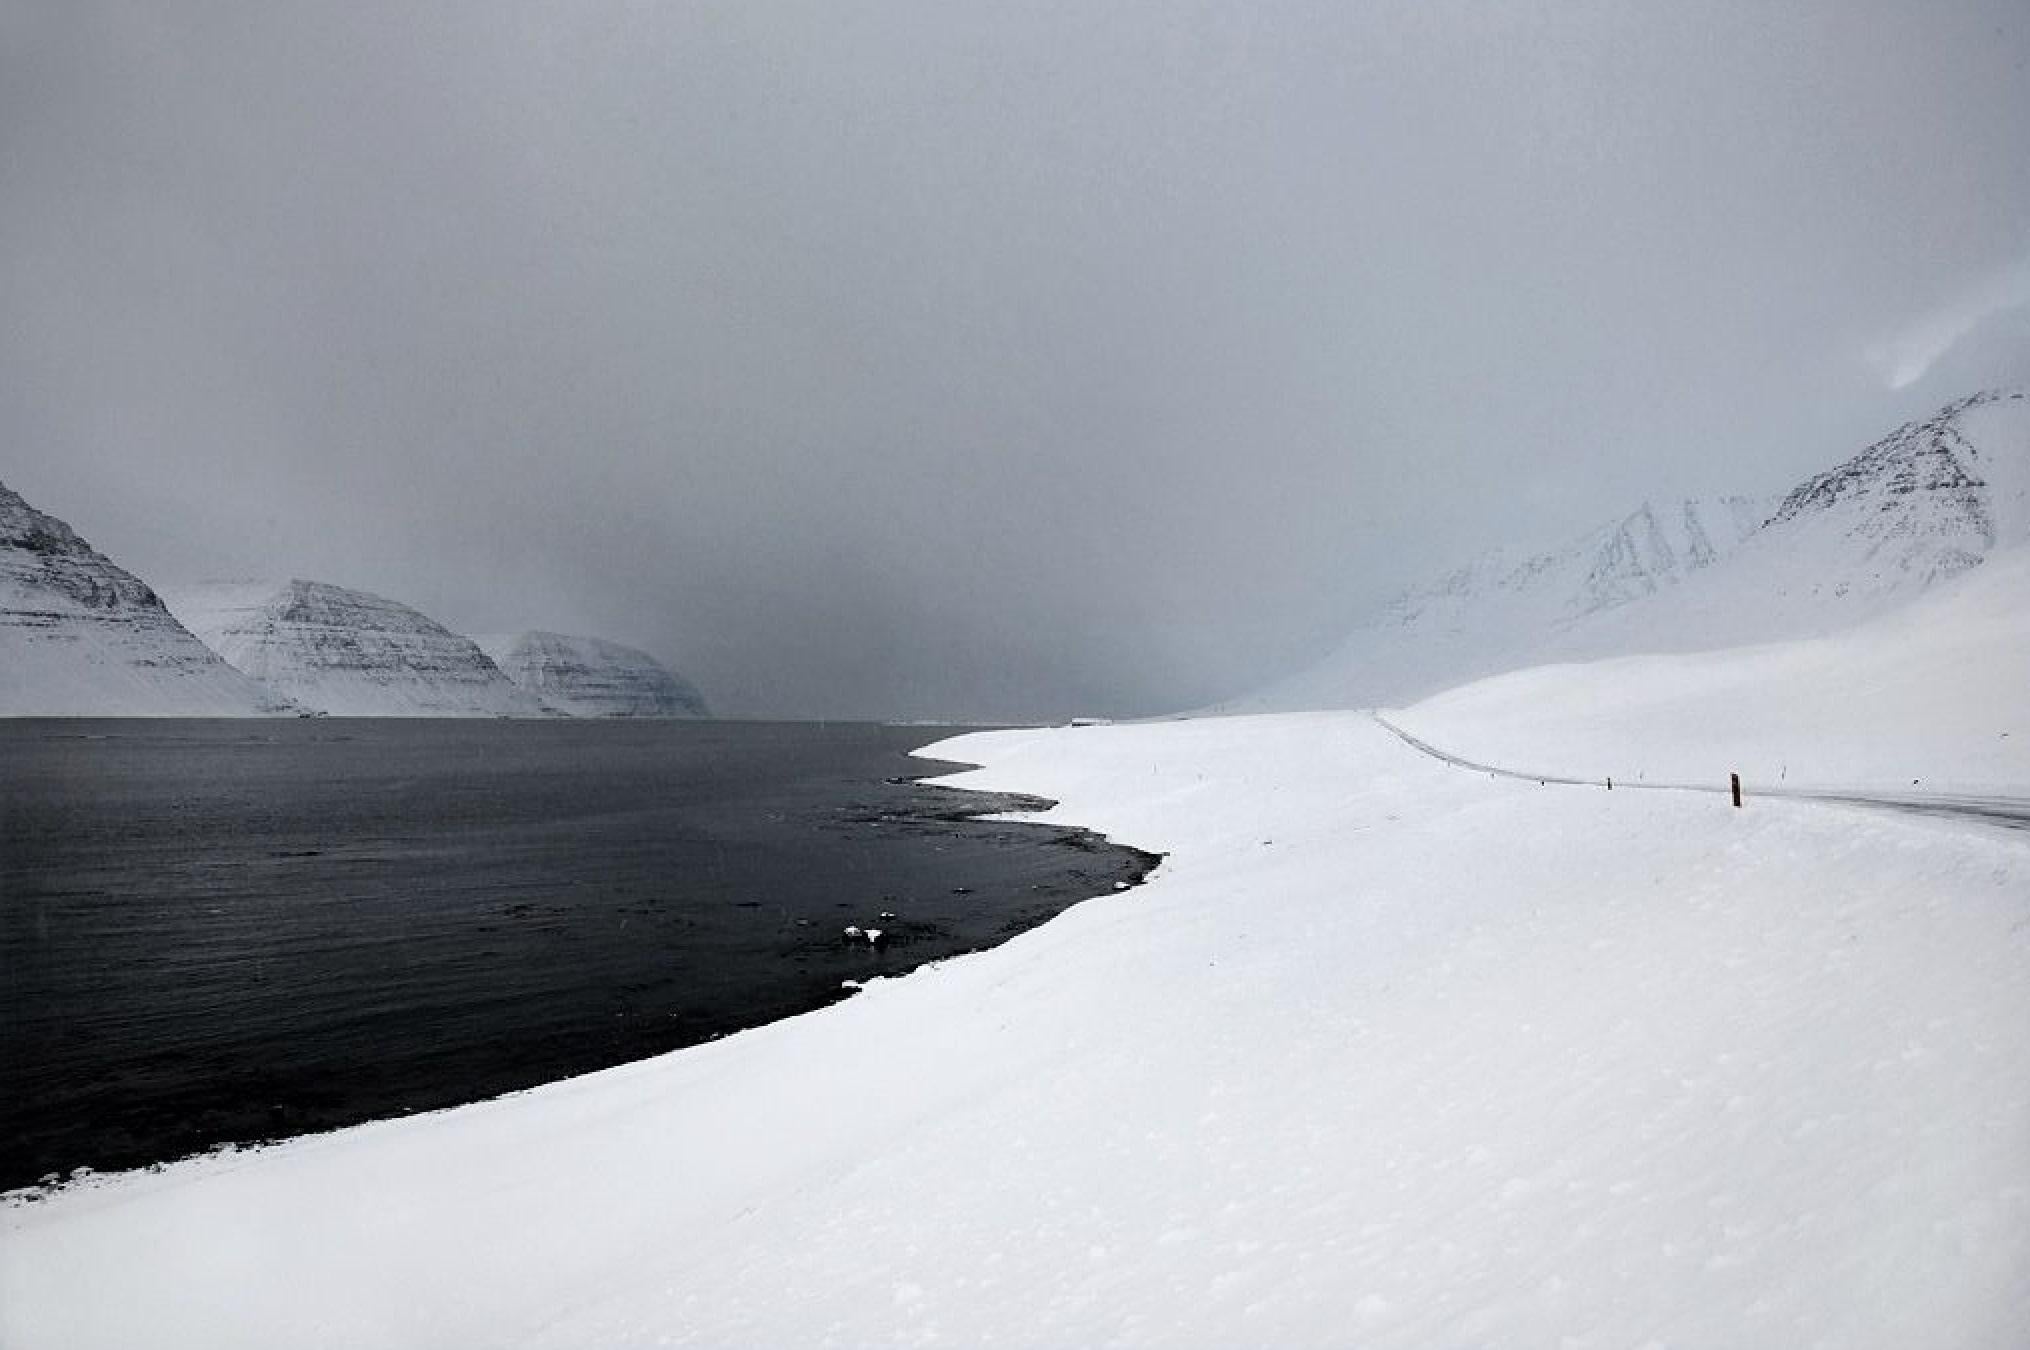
x=80, y=636
x=348, y=652
x=1929, y=501
x=1386, y=1053
x=591, y=677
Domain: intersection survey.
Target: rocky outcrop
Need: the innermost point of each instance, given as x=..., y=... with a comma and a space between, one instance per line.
x=591, y=677
x=81, y=636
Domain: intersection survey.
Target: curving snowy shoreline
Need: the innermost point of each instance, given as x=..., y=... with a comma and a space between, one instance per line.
x=1384, y=1051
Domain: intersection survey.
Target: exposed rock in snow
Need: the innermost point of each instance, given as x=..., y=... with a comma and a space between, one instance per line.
x=590, y=677
x=348, y=652
x=1926, y=503
x=1932, y=500
x=80, y=636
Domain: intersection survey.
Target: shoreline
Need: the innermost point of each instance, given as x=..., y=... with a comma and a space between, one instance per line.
x=1000, y=885
x=1383, y=1049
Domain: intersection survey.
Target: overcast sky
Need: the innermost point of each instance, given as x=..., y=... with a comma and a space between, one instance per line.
x=933, y=357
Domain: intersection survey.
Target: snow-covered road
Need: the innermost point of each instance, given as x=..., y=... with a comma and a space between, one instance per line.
x=2009, y=812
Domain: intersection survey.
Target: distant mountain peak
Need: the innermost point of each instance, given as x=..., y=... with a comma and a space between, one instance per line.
x=1933, y=497
x=592, y=677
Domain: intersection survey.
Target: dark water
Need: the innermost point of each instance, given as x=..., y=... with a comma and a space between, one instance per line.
x=230, y=931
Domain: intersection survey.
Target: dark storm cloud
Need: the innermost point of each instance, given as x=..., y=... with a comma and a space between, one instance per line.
x=992, y=360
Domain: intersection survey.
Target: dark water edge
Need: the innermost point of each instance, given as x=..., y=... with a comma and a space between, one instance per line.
x=229, y=932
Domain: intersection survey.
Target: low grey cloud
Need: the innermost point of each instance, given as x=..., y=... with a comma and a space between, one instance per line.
x=1910, y=354
x=912, y=358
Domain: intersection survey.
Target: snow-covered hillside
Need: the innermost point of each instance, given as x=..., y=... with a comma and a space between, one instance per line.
x=348, y=652
x=1929, y=501
x=591, y=677
x=1928, y=698
x=80, y=636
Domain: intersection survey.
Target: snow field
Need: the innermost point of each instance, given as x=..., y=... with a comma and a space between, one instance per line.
x=1387, y=1053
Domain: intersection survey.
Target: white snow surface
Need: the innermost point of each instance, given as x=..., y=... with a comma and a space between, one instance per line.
x=82, y=637
x=347, y=652
x=591, y=677
x=1926, y=503
x=1387, y=1053
x=1929, y=698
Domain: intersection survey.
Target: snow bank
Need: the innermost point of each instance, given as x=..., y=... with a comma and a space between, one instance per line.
x=1385, y=1054
x=1932, y=697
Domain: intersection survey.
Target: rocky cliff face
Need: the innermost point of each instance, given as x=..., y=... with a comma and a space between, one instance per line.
x=590, y=677
x=1924, y=504
x=80, y=636
x=348, y=652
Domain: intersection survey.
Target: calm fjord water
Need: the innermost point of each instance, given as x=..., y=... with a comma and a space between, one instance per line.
x=227, y=931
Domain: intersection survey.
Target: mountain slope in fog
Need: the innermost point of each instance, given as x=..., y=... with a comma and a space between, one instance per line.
x=1926, y=503
x=348, y=652
x=591, y=677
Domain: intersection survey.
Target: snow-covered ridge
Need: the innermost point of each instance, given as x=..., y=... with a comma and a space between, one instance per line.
x=1924, y=504
x=1932, y=498
x=591, y=677
x=348, y=652
x=81, y=636
x=1502, y=608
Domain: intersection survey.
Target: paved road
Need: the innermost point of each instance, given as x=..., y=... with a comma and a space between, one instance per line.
x=2007, y=812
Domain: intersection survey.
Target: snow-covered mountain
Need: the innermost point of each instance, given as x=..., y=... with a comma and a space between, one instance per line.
x=1930, y=500
x=80, y=636
x=1501, y=610
x=591, y=677
x=348, y=652
x=1926, y=503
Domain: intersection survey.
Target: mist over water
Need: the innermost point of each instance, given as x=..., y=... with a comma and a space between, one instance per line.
x=910, y=358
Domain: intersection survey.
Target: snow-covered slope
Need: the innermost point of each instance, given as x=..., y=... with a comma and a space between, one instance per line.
x=1501, y=610
x=80, y=636
x=1932, y=697
x=1927, y=502
x=347, y=652
x=591, y=677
